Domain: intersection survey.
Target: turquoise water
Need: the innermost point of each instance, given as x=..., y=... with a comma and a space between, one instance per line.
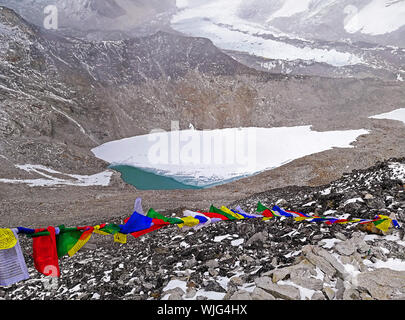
x=144, y=180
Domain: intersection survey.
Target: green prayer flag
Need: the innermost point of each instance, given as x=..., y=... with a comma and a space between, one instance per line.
x=261, y=207
x=66, y=240
x=111, y=228
x=155, y=215
x=219, y=211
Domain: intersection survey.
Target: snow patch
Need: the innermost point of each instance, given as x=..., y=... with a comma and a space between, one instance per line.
x=49, y=180
x=398, y=115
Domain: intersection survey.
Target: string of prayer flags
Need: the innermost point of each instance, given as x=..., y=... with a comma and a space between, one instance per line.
x=51, y=243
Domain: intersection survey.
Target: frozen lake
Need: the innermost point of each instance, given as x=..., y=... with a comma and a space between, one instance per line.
x=201, y=159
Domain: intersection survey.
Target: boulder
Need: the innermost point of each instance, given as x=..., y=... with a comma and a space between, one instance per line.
x=351, y=294
x=257, y=238
x=285, y=292
x=382, y=284
x=341, y=272
x=260, y=294
x=318, y=261
x=318, y=295
x=280, y=274
x=241, y=295
x=329, y=292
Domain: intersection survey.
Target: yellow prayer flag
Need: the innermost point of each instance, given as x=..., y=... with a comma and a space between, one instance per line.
x=385, y=224
x=79, y=244
x=98, y=231
x=301, y=218
x=120, y=238
x=236, y=215
x=189, y=222
x=7, y=239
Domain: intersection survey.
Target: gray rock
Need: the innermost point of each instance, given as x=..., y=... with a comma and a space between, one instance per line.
x=258, y=237
x=351, y=294
x=241, y=295
x=191, y=292
x=340, y=289
x=285, y=292
x=280, y=274
x=212, y=285
x=365, y=296
x=175, y=296
x=382, y=284
x=318, y=295
x=329, y=292
x=260, y=294
x=236, y=281
x=341, y=272
x=190, y=263
x=346, y=248
x=340, y=236
x=318, y=261
x=213, y=272
x=306, y=281
x=212, y=264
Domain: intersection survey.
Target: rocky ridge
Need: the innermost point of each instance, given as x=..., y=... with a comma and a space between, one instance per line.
x=250, y=259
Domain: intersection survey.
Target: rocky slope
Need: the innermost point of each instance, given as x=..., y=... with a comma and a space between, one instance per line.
x=250, y=259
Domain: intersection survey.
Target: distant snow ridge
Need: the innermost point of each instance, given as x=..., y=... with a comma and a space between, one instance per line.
x=377, y=18
x=221, y=21
x=290, y=8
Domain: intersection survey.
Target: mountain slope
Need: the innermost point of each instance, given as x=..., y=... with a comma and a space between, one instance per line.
x=305, y=37
x=97, y=19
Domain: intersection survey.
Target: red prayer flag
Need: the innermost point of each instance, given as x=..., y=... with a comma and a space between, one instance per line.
x=214, y=215
x=267, y=213
x=45, y=253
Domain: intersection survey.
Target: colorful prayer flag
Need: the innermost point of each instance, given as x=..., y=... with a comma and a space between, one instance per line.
x=12, y=264
x=45, y=253
x=7, y=239
x=219, y=211
x=136, y=222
